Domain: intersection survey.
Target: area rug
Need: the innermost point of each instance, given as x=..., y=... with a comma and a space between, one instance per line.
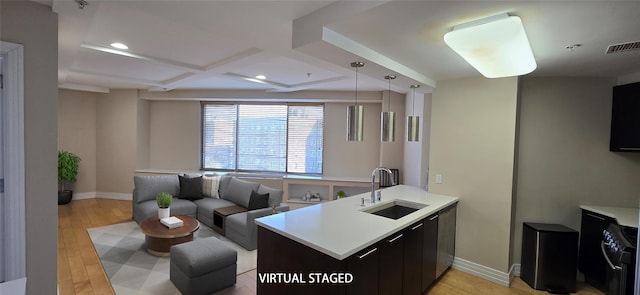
x=132, y=270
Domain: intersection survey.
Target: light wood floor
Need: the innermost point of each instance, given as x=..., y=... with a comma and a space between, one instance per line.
x=80, y=271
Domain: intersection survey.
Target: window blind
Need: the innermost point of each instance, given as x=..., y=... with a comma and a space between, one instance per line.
x=305, y=142
x=218, y=136
x=263, y=137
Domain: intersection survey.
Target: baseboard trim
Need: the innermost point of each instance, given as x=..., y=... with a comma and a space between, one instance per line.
x=84, y=196
x=481, y=271
x=515, y=268
x=115, y=196
x=102, y=195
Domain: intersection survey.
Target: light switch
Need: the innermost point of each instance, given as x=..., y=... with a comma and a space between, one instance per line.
x=438, y=178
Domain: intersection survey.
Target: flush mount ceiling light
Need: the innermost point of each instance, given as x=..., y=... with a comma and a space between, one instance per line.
x=119, y=45
x=388, y=118
x=355, y=113
x=496, y=46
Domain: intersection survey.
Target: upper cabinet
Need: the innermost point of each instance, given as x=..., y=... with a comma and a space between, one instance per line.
x=625, y=118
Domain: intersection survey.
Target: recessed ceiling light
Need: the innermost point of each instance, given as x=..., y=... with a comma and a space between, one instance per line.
x=261, y=77
x=119, y=45
x=572, y=46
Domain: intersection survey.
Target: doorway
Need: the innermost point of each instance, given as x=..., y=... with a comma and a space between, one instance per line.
x=12, y=170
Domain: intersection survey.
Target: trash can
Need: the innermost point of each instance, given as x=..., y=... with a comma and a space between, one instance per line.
x=549, y=257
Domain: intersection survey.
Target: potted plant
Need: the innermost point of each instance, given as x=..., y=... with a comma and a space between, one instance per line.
x=67, y=174
x=341, y=194
x=164, y=201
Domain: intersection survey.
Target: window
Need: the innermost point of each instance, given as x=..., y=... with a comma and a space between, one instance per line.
x=262, y=137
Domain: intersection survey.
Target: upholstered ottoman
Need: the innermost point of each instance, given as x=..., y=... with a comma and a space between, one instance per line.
x=202, y=266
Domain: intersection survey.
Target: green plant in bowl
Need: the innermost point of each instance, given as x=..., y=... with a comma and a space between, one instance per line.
x=341, y=194
x=164, y=200
x=67, y=168
x=67, y=174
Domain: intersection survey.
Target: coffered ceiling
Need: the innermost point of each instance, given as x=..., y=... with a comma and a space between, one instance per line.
x=308, y=45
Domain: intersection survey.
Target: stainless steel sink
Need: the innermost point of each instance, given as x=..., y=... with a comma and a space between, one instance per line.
x=395, y=209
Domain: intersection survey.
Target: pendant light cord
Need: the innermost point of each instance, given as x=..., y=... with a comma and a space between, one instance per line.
x=413, y=103
x=389, y=101
x=356, y=86
x=357, y=64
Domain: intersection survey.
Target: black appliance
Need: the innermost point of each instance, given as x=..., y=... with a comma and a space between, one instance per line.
x=549, y=257
x=619, y=250
x=625, y=118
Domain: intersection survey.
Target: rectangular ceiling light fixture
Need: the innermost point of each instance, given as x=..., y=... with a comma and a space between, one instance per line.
x=496, y=46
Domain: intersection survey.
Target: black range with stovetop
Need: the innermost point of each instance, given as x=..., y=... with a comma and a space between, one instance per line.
x=608, y=239
x=619, y=250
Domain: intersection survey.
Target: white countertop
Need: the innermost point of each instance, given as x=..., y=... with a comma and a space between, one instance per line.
x=623, y=215
x=339, y=228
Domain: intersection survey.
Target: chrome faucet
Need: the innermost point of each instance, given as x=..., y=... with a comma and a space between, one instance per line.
x=373, y=181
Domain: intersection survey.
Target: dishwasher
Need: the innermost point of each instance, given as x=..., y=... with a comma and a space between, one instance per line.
x=446, y=239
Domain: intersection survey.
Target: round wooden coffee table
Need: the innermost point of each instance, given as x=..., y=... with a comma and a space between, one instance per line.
x=159, y=238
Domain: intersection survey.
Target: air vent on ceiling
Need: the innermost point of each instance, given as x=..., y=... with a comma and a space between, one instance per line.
x=622, y=47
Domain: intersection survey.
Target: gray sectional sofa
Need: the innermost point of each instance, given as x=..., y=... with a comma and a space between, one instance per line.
x=240, y=227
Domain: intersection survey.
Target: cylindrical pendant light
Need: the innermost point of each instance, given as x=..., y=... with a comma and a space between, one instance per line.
x=413, y=121
x=388, y=118
x=355, y=113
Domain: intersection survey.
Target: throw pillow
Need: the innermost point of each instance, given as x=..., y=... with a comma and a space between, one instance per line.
x=258, y=201
x=238, y=191
x=275, y=195
x=210, y=185
x=190, y=188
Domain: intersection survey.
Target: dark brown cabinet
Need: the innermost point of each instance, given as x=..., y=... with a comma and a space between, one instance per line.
x=590, y=260
x=364, y=267
x=405, y=262
x=412, y=257
x=391, y=252
x=625, y=118
x=429, y=251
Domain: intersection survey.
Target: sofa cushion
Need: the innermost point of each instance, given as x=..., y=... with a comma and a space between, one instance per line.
x=258, y=201
x=238, y=191
x=275, y=195
x=148, y=187
x=223, y=184
x=190, y=188
x=183, y=207
x=202, y=256
x=210, y=185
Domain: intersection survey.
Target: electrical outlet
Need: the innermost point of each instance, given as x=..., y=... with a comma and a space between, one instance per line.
x=438, y=178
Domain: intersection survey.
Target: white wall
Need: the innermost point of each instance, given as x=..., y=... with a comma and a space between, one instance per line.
x=174, y=141
x=416, y=153
x=77, y=134
x=175, y=131
x=36, y=28
x=473, y=129
x=564, y=159
x=133, y=133
x=143, y=134
x=116, y=142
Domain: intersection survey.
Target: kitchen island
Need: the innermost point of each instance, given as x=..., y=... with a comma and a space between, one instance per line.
x=338, y=248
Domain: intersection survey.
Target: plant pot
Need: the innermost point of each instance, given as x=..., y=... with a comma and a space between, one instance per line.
x=64, y=197
x=163, y=213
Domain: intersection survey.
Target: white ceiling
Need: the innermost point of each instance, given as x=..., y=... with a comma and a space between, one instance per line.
x=308, y=45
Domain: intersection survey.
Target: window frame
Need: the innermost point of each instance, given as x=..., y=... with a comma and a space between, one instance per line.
x=237, y=111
